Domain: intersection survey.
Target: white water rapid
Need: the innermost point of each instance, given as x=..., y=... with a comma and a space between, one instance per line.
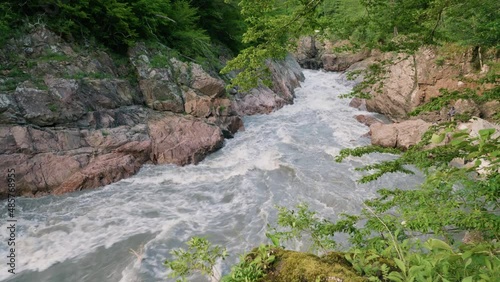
x=284, y=158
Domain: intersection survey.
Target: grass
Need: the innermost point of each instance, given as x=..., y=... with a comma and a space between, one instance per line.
x=52, y=56
x=159, y=61
x=12, y=78
x=53, y=107
x=440, y=61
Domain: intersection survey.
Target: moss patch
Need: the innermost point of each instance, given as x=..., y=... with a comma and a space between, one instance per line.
x=292, y=266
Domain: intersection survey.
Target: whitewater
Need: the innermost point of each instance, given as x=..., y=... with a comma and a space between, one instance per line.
x=284, y=158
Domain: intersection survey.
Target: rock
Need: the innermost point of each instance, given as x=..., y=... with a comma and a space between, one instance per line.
x=412, y=80
x=105, y=169
x=384, y=135
x=476, y=124
x=396, y=96
x=410, y=132
x=182, y=140
x=358, y=103
x=286, y=75
x=198, y=106
x=162, y=95
x=206, y=84
x=261, y=100
x=228, y=124
x=489, y=109
x=342, y=61
x=402, y=135
x=314, y=53
x=367, y=120
x=37, y=106
x=9, y=111
x=48, y=160
x=359, y=67
x=473, y=237
x=466, y=107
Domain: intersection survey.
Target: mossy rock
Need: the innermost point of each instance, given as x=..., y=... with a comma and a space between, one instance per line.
x=291, y=266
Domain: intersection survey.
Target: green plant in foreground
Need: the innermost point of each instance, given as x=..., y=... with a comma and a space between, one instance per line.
x=200, y=256
x=253, y=266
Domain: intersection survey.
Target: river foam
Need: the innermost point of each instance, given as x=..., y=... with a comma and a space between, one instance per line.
x=283, y=158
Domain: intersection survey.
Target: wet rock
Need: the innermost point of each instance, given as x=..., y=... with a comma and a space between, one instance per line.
x=286, y=75
x=358, y=103
x=228, y=124
x=260, y=100
x=368, y=120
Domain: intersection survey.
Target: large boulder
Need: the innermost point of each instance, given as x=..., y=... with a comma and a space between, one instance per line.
x=394, y=95
x=182, y=140
x=410, y=80
x=206, y=84
x=490, y=109
x=286, y=76
x=56, y=160
x=401, y=135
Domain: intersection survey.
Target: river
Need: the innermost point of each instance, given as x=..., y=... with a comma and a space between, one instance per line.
x=284, y=158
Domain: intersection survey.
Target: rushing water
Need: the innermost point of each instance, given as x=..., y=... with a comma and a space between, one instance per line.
x=284, y=158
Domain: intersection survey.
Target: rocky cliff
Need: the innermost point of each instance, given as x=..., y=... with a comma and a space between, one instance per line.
x=402, y=83
x=74, y=118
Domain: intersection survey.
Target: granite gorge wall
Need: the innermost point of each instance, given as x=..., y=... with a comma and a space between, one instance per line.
x=72, y=120
x=404, y=82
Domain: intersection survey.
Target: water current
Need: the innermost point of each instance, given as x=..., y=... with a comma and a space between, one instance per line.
x=284, y=158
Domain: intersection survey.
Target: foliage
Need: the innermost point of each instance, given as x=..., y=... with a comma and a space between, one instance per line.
x=7, y=16
x=269, y=35
x=200, y=256
x=446, y=97
x=372, y=80
x=253, y=266
x=119, y=23
x=481, y=19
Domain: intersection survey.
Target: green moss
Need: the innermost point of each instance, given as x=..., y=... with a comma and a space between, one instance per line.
x=53, y=107
x=293, y=266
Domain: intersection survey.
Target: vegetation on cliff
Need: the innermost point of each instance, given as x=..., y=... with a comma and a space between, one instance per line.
x=191, y=27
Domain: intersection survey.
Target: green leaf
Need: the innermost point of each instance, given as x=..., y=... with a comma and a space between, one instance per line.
x=437, y=138
x=486, y=133
x=467, y=279
x=400, y=264
x=438, y=244
x=395, y=276
x=466, y=255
